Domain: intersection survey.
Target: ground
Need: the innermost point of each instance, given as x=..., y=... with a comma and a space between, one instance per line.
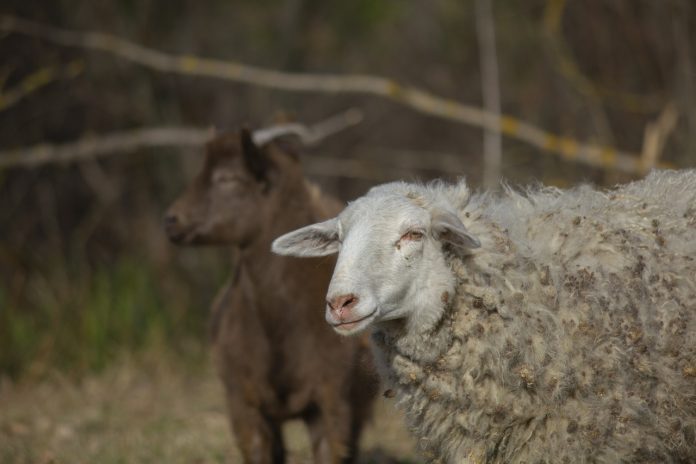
x=150, y=411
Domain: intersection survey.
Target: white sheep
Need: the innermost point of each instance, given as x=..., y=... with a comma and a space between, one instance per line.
x=526, y=327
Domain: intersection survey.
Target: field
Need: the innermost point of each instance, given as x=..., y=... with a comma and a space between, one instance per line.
x=150, y=410
x=104, y=106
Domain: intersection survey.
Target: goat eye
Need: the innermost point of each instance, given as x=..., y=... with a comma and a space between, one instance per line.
x=412, y=235
x=223, y=178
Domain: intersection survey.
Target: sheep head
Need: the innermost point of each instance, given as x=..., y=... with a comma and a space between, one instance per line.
x=391, y=263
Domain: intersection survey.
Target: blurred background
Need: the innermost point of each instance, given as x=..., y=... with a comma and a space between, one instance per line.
x=92, y=295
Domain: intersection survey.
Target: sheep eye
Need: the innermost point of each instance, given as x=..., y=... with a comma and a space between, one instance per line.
x=412, y=235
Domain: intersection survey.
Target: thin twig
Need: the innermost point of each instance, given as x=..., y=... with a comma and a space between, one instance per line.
x=37, y=80
x=656, y=135
x=93, y=146
x=310, y=135
x=490, y=86
x=604, y=157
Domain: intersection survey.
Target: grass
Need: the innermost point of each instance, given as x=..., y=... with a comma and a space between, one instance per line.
x=79, y=321
x=150, y=409
x=109, y=365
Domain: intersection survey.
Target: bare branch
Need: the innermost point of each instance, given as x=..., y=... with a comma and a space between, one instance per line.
x=567, y=66
x=38, y=80
x=490, y=85
x=656, y=134
x=603, y=157
x=310, y=135
x=91, y=147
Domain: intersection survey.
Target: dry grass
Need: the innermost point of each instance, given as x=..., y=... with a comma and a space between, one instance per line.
x=150, y=410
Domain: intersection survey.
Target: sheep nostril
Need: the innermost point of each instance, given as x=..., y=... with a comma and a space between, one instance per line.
x=342, y=302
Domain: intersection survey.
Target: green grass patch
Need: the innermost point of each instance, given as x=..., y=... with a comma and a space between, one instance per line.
x=80, y=321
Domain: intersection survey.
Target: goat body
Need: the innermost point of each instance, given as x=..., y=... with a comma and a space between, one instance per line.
x=276, y=357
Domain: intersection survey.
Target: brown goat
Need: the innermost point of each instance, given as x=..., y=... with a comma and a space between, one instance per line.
x=277, y=357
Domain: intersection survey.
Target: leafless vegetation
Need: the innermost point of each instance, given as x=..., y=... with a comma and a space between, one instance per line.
x=589, y=91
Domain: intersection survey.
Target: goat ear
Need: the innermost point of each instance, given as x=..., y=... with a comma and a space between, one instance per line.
x=254, y=158
x=319, y=239
x=448, y=228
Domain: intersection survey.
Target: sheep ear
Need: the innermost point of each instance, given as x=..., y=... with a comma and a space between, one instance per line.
x=319, y=239
x=448, y=228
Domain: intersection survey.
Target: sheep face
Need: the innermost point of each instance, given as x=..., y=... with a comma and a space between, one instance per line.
x=391, y=263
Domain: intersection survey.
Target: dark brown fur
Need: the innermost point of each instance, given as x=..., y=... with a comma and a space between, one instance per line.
x=277, y=357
